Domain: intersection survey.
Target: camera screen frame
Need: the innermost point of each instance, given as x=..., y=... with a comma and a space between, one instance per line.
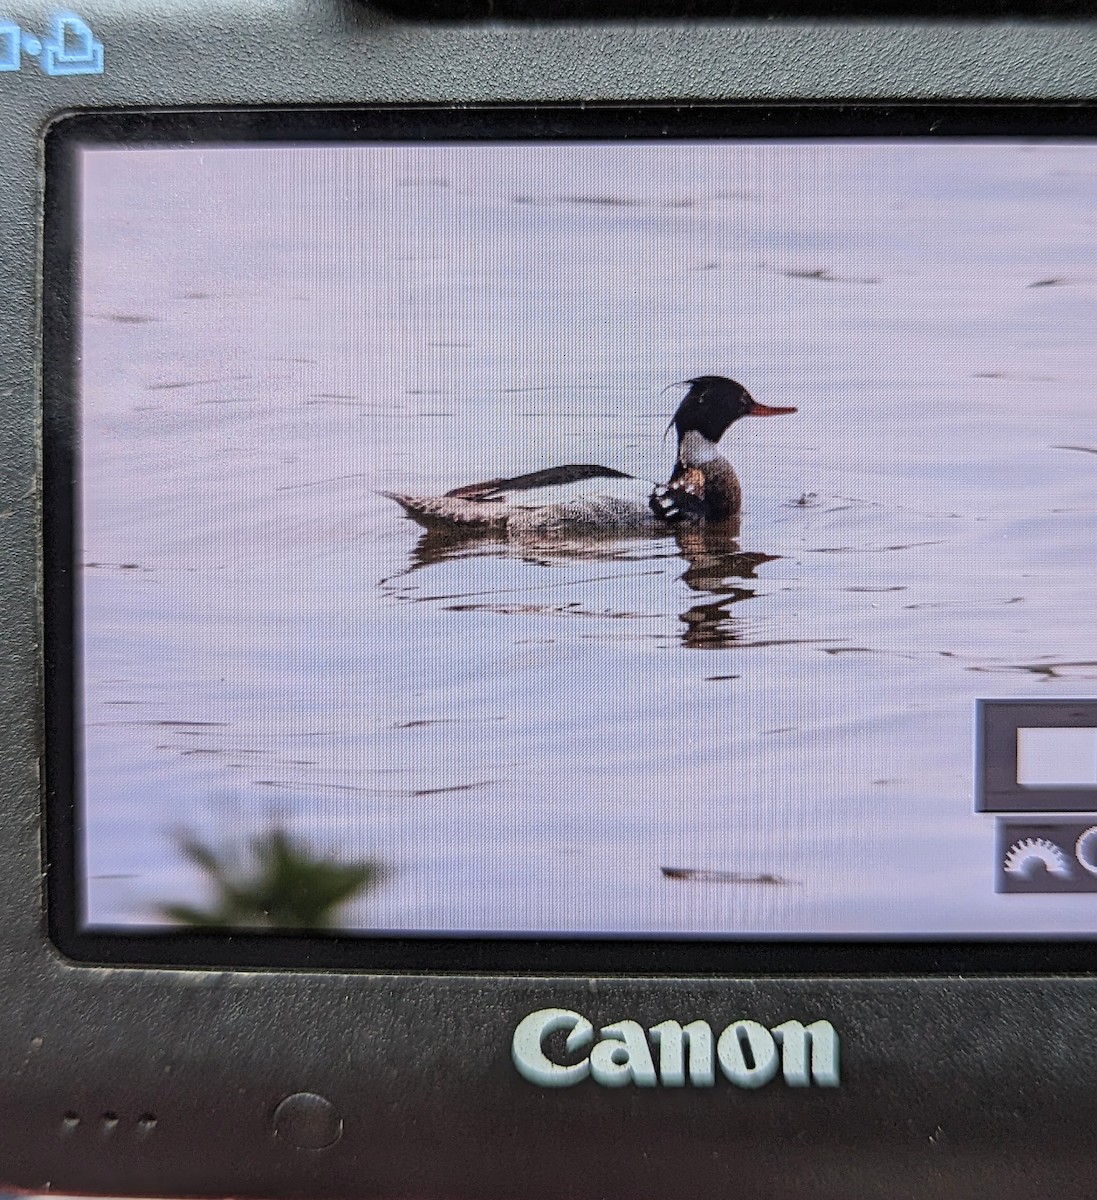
x=431, y=953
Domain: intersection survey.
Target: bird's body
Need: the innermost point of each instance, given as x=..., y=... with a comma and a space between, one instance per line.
x=585, y=497
x=559, y=504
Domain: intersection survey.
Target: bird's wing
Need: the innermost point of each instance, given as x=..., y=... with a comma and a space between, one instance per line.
x=494, y=489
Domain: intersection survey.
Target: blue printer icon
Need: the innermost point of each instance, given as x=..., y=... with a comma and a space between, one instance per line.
x=70, y=47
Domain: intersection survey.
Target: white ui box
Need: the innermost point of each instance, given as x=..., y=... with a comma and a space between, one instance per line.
x=1036, y=756
x=1057, y=757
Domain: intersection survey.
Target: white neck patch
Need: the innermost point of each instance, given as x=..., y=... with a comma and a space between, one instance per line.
x=696, y=450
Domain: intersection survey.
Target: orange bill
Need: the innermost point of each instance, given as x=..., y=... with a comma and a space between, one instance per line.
x=766, y=410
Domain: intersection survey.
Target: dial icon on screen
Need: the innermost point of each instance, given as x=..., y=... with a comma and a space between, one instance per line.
x=1028, y=854
x=1085, y=849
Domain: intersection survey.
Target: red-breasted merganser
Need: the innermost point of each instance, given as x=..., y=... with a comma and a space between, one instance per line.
x=585, y=497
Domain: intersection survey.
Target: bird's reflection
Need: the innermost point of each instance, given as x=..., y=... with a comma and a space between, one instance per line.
x=716, y=566
x=437, y=545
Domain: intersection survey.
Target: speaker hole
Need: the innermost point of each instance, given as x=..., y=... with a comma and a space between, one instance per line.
x=70, y=1121
x=110, y=1122
x=146, y=1122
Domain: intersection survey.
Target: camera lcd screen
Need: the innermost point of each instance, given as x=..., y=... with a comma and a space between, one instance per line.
x=611, y=537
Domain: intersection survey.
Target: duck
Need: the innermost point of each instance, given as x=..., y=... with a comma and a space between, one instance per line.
x=589, y=498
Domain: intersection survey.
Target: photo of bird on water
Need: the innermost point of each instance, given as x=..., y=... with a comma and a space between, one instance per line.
x=383, y=547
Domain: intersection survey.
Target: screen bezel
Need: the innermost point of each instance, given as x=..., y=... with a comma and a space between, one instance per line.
x=426, y=952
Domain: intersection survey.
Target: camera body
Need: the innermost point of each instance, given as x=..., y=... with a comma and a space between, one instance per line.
x=236, y=1077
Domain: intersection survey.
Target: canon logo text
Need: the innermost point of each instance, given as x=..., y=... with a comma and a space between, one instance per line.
x=673, y=1055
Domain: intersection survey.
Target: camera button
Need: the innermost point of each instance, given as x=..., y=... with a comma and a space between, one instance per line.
x=308, y=1121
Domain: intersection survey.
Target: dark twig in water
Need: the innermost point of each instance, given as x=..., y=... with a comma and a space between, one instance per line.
x=708, y=875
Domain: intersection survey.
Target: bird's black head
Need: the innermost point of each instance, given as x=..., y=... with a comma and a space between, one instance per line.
x=713, y=403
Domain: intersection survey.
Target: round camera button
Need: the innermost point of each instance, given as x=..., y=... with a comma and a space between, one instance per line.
x=308, y=1121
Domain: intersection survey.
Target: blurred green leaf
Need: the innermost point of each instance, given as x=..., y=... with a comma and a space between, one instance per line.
x=277, y=884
